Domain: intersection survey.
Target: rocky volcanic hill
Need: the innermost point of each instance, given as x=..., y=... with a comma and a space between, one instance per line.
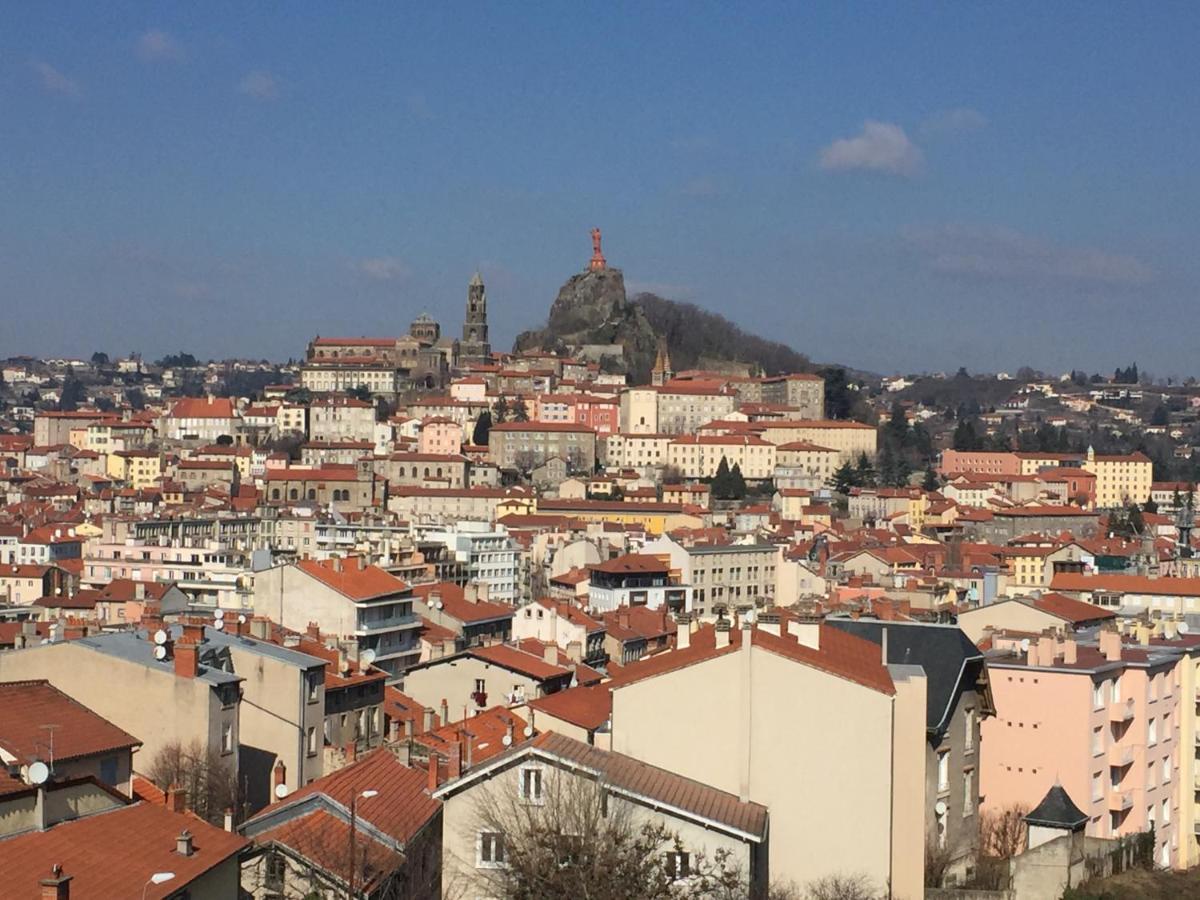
x=592, y=313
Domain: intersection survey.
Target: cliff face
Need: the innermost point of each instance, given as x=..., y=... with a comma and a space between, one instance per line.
x=591, y=308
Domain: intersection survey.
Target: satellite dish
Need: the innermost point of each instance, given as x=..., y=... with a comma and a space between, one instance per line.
x=38, y=772
x=1025, y=645
x=241, y=620
x=940, y=807
x=160, y=652
x=506, y=740
x=1183, y=628
x=281, y=791
x=218, y=614
x=366, y=658
x=528, y=732
x=160, y=637
x=219, y=625
x=439, y=604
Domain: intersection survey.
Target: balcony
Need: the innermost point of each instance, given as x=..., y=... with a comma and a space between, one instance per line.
x=1120, y=756
x=388, y=624
x=1121, y=711
x=1119, y=801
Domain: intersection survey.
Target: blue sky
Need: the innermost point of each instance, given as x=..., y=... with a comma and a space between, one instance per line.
x=899, y=187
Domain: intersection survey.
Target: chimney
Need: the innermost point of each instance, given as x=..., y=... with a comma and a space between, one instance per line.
x=683, y=636
x=337, y=564
x=193, y=633
x=260, y=628
x=278, y=780
x=769, y=622
x=313, y=631
x=510, y=732
x=187, y=663
x=176, y=798
x=228, y=819
x=1070, y=650
x=550, y=654
x=57, y=886
x=455, y=767
x=351, y=751
x=575, y=651
x=445, y=712
x=1110, y=644
x=183, y=843
x=433, y=772
x=883, y=647
x=449, y=647
x=427, y=720
x=806, y=629
x=623, y=619
x=722, y=633
x=1045, y=648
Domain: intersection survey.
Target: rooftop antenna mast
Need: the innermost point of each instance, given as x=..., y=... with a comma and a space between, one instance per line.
x=50, y=728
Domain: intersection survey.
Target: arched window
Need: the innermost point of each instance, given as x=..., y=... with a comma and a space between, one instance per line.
x=312, y=493
x=414, y=472
x=439, y=472
x=275, y=494
x=427, y=471
x=293, y=494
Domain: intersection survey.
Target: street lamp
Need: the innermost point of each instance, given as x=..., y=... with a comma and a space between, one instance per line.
x=365, y=795
x=157, y=878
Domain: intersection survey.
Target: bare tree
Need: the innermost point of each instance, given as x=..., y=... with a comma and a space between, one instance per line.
x=207, y=776
x=937, y=862
x=842, y=887
x=1002, y=833
x=581, y=843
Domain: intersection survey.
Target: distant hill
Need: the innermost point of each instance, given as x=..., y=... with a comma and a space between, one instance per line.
x=593, y=316
x=699, y=339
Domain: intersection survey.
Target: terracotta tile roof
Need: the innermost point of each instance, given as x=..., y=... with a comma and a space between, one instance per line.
x=484, y=733
x=28, y=705
x=637, y=623
x=456, y=605
x=633, y=562
x=1072, y=610
x=322, y=838
x=401, y=707
x=352, y=578
x=203, y=408
x=588, y=706
x=1130, y=584
x=518, y=661
x=402, y=807
x=111, y=854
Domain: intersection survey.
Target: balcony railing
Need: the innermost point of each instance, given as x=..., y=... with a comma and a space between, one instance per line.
x=1121, y=711
x=373, y=627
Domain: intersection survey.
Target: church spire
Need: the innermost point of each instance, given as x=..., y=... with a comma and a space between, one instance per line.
x=661, y=373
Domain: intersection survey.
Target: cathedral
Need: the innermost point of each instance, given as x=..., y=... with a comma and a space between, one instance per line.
x=474, y=347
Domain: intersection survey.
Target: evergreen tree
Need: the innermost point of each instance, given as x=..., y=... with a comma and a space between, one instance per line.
x=866, y=472
x=500, y=409
x=483, y=427
x=520, y=411
x=965, y=436
x=887, y=465
x=720, y=483
x=844, y=478
x=1137, y=524
x=930, y=482
x=737, y=484
x=897, y=427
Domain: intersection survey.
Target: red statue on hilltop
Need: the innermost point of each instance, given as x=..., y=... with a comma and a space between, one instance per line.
x=597, y=262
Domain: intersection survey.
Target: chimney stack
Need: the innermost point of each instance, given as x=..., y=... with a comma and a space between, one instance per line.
x=351, y=751
x=187, y=660
x=683, y=635
x=806, y=629
x=445, y=712
x=427, y=717
x=57, y=886
x=722, y=633
x=183, y=843
x=1110, y=644
x=278, y=780
x=550, y=654
x=228, y=819
x=433, y=772
x=1045, y=649
x=1070, y=650
x=883, y=647
x=455, y=768
x=176, y=798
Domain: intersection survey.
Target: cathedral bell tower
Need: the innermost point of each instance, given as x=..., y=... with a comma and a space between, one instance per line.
x=474, y=347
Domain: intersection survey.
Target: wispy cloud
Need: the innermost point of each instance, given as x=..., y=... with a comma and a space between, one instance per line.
x=156, y=45
x=879, y=147
x=1003, y=254
x=381, y=268
x=55, y=82
x=259, y=84
x=959, y=120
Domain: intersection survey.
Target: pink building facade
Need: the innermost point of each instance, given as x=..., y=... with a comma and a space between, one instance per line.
x=440, y=436
x=1102, y=719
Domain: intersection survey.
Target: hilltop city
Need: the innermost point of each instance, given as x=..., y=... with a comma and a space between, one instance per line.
x=646, y=607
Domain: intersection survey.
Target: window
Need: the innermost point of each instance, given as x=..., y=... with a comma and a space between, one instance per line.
x=489, y=850
x=941, y=828
x=108, y=770
x=1116, y=691
x=1152, y=732
x=312, y=742
x=314, y=683
x=276, y=870
x=480, y=686
x=677, y=865
x=531, y=785
x=1166, y=769
x=968, y=792
x=1097, y=787
x=1097, y=741
x=943, y=769
x=1166, y=812
x=969, y=730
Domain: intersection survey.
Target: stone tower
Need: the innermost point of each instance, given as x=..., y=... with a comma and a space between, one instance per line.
x=661, y=373
x=474, y=347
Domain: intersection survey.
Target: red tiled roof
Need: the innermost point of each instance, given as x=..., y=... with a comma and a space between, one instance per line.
x=1072, y=610
x=203, y=408
x=484, y=733
x=322, y=838
x=402, y=807
x=112, y=854
x=587, y=706
x=518, y=661
x=1130, y=584
x=355, y=579
x=632, y=562
x=457, y=606
x=28, y=705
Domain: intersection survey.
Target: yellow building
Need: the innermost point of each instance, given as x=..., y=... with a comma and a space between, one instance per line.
x=138, y=468
x=849, y=439
x=1120, y=479
x=699, y=456
x=656, y=518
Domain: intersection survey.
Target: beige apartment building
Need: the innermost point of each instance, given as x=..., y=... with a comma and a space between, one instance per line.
x=722, y=576
x=805, y=465
x=683, y=406
x=118, y=675
x=699, y=456
x=526, y=445
x=636, y=451
x=1120, y=479
x=639, y=410
x=849, y=439
x=809, y=722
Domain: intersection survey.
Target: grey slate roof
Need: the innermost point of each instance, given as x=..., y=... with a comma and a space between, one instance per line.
x=1057, y=810
x=951, y=662
x=131, y=647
